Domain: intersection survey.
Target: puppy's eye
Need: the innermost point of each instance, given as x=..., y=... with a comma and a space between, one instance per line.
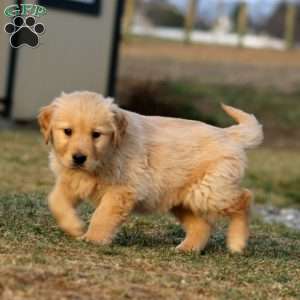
x=68, y=131
x=95, y=134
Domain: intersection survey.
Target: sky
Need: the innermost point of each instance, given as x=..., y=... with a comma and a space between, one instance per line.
x=259, y=10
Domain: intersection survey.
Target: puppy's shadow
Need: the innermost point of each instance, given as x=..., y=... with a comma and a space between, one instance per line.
x=133, y=236
x=158, y=232
x=170, y=235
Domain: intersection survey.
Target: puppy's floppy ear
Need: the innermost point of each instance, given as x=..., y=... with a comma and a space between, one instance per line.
x=120, y=124
x=44, y=119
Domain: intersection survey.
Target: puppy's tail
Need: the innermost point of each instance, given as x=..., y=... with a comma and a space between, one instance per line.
x=248, y=132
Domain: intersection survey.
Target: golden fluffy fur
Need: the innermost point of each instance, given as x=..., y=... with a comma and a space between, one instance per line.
x=147, y=164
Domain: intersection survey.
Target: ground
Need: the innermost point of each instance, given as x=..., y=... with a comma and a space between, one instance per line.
x=38, y=261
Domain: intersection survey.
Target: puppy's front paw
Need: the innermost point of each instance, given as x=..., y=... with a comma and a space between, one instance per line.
x=72, y=227
x=95, y=239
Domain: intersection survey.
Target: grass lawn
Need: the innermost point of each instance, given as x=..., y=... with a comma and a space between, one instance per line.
x=38, y=261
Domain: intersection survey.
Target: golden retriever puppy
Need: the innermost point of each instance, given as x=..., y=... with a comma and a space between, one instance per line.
x=125, y=162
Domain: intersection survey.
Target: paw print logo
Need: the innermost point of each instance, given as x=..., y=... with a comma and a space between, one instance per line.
x=24, y=31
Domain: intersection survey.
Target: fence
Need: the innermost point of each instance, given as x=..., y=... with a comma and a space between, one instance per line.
x=242, y=23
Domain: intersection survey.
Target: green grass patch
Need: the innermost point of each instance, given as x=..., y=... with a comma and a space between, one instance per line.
x=39, y=262
x=274, y=175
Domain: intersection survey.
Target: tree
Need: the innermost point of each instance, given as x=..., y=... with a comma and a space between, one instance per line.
x=162, y=13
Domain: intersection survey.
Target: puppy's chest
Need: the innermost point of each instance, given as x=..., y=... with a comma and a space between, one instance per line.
x=88, y=187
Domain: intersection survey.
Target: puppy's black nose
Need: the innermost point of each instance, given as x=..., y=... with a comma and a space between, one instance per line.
x=79, y=159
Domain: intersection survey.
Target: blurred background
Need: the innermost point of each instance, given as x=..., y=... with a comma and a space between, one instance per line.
x=191, y=55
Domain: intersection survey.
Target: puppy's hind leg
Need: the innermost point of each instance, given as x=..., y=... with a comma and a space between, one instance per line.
x=197, y=230
x=238, y=230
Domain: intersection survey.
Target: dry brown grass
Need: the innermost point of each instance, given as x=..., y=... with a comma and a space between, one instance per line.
x=150, y=59
x=209, y=53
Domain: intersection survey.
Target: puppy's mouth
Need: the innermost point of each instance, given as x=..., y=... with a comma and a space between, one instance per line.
x=78, y=167
x=74, y=166
x=87, y=167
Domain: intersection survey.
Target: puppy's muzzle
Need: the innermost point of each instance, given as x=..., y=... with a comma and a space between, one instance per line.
x=79, y=159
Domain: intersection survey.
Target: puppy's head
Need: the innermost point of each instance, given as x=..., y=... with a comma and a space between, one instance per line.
x=83, y=127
